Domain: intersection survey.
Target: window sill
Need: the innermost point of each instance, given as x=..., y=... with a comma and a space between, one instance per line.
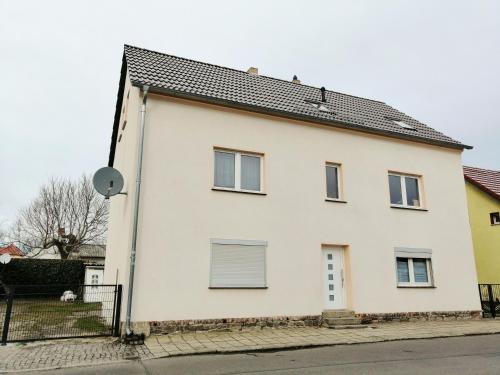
x=237, y=287
x=335, y=200
x=239, y=191
x=417, y=286
x=409, y=208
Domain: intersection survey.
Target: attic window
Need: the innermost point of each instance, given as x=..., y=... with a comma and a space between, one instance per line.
x=319, y=106
x=403, y=124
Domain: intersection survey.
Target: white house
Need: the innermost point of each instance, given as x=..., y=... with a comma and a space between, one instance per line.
x=269, y=202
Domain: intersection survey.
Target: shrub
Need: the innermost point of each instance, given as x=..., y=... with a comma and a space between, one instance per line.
x=42, y=275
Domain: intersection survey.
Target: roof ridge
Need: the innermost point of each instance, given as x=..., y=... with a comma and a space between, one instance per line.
x=242, y=71
x=483, y=169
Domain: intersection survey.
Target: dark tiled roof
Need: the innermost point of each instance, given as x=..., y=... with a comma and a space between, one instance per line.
x=89, y=251
x=485, y=179
x=186, y=78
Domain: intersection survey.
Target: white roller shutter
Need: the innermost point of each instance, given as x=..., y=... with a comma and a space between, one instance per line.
x=238, y=264
x=405, y=252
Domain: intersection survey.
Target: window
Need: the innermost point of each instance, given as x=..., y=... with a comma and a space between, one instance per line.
x=413, y=267
x=403, y=124
x=238, y=264
x=400, y=123
x=404, y=190
x=94, y=280
x=320, y=106
x=495, y=218
x=333, y=181
x=238, y=171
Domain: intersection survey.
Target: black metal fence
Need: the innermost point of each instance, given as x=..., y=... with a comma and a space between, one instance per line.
x=40, y=312
x=490, y=299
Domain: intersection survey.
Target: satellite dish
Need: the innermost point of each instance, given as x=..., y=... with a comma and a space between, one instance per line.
x=108, y=181
x=5, y=258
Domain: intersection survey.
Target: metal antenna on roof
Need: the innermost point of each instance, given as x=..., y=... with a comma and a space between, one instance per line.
x=323, y=98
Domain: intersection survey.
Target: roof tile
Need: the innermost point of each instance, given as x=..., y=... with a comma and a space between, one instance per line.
x=11, y=250
x=485, y=179
x=272, y=95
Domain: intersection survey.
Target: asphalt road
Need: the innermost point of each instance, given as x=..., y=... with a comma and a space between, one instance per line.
x=458, y=355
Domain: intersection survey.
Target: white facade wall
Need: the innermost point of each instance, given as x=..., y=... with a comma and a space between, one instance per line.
x=180, y=213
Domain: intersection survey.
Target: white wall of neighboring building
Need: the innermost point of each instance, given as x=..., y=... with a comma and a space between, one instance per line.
x=50, y=253
x=180, y=213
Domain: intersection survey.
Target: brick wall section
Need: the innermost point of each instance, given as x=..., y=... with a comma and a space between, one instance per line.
x=234, y=324
x=419, y=316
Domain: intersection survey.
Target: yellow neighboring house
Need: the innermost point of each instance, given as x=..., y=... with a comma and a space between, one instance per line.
x=483, y=195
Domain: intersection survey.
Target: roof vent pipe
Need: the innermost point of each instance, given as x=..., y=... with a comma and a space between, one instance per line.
x=323, y=98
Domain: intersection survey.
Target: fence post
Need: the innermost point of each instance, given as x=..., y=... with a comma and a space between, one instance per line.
x=6, y=322
x=118, y=308
x=491, y=301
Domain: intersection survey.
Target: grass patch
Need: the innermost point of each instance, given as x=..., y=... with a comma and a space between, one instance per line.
x=89, y=323
x=45, y=318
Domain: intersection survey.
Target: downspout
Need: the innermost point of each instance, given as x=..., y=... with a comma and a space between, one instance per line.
x=133, y=251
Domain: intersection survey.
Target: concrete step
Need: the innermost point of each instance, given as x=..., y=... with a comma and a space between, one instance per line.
x=344, y=321
x=337, y=313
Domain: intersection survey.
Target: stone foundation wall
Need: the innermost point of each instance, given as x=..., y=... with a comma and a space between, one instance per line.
x=419, y=316
x=233, y=324
x=239, y=324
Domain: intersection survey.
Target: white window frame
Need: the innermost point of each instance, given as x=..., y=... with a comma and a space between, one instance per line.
x=411, y=271
x=403, y=190
x=237, y=170
x=410, y=254
x=340, y=191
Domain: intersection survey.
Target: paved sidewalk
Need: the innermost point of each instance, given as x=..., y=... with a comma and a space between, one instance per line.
x=70, y=353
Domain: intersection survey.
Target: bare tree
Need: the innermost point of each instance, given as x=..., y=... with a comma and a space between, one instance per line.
x=65, y=215
x=3, y=234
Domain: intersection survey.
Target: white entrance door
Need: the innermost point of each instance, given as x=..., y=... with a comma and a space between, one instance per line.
x=333, y=276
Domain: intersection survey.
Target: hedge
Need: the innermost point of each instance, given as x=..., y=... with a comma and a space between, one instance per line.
x=42, y=275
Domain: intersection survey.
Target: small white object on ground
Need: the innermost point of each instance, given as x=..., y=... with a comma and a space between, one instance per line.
x=68, y=296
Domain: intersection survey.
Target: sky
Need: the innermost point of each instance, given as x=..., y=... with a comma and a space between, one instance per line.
x=437, y=61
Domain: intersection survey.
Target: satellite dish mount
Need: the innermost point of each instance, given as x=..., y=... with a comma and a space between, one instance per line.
x=108, y=182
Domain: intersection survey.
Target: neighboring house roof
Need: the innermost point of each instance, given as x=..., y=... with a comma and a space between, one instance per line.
x=12, y=250
x=485, y=179
x=89, y=251
x=180, y=77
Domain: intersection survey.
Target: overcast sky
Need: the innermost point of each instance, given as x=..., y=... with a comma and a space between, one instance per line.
x=438, y=61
